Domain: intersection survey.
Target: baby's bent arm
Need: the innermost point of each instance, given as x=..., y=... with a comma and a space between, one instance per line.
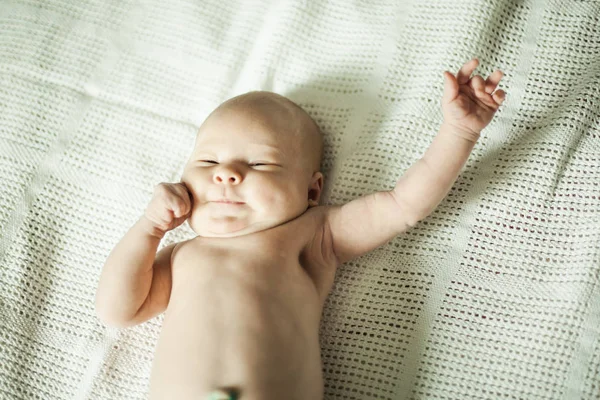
x=132, y=275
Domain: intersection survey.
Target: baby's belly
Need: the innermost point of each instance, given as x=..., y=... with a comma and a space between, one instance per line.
x=253, y=328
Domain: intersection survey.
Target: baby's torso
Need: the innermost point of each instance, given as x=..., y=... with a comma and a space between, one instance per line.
x=244, y=313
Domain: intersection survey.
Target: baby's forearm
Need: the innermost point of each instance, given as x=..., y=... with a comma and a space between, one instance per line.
x=425, y=184
x=127, y=274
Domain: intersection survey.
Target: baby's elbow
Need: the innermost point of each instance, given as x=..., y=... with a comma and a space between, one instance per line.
x=112, y=322
x=110, y=319
x=107, y=323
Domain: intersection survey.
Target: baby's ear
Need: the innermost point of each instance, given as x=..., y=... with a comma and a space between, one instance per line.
x=315, y=189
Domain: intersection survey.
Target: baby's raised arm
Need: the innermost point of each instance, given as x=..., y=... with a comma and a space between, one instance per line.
x=135, y=282
x=468, y=106
x=368, y=222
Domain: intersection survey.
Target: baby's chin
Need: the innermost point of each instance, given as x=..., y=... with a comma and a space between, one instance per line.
x=217, y=230
x=227, y=227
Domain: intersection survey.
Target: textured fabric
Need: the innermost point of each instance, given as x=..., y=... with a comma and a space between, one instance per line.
x=495, y=295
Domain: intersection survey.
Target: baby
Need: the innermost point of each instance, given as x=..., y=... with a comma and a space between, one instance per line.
x=243, y=299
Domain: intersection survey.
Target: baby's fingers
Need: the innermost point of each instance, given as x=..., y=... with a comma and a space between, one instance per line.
x=181, y=203
x=464, y=74
x=478, y=84
x=174, y=196
x=492, y=81
x=499, y=96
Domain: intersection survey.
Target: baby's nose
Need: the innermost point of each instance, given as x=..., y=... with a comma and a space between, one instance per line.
x=227, y=176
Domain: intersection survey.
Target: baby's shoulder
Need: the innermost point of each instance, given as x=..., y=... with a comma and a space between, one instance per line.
x=313, y=220
x=178, y=246
x=318, y=213
x=317, y=256
x=319, y=242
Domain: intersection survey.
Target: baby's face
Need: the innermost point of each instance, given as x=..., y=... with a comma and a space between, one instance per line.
x=246, y=156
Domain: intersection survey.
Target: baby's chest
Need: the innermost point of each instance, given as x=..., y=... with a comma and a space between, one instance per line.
x=292, y=257
x=257, y=284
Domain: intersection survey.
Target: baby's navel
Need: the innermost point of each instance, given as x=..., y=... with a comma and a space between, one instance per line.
x=223, y=394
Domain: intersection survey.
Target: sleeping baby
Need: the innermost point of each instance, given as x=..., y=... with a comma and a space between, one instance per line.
x=243, y=299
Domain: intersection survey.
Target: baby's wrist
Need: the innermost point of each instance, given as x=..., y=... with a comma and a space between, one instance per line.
x=150, y=227
x=450, y=128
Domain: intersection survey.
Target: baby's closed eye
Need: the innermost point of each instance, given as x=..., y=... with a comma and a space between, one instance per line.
x=256, y=164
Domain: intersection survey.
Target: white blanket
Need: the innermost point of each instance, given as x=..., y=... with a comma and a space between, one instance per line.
x=494, y=295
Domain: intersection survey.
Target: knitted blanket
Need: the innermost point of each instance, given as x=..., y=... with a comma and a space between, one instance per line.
x=495, y=295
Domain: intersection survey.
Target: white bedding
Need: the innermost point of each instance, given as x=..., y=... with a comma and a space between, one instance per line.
x=494, y=295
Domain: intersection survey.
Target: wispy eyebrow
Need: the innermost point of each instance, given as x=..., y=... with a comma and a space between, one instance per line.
x=269, y=148
x=260, y=147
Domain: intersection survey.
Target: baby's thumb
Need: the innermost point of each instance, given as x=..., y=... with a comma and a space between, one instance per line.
x=450, y=88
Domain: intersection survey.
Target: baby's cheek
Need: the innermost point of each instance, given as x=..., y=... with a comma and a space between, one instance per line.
x=292, y=197
x=271, y=196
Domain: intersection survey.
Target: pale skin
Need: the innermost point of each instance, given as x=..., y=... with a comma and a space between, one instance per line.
x=243, y=299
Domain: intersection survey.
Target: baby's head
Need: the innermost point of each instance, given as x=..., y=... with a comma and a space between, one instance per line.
x=260, y=149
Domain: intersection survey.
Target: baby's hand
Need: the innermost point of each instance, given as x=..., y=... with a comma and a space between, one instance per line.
x=470, y=103
x=170, y=206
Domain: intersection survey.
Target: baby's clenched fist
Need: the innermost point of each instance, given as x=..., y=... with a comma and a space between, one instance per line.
x=170, y=206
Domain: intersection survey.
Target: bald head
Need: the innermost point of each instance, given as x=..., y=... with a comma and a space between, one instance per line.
x=289, y=118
